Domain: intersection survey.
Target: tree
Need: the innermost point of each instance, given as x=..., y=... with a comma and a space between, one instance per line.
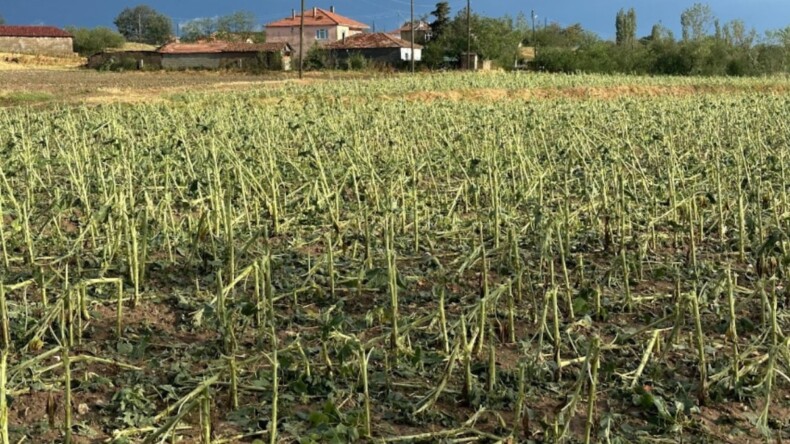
x=779, y=39
x=2, y=20
x=770, y=58
x=620, y=27
x=631, y=26
x=661, y=33
x=494, y=39
x=237, y=25
x=89, y=41
x=198, y=29
x=736, y=35
x=655, y=33
x=442, y=14
x=554, y=35
x=696, y=21
x=143, y=24
x=626, y=27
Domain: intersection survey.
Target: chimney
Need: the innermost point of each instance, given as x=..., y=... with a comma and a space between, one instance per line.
x=315, y=12
x=293, y=14
x=332, y=9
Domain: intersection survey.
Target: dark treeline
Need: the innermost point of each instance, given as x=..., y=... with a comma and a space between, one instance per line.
x=705, y=47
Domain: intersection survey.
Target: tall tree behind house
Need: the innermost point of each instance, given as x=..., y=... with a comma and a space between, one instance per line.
x=442, y=15
x=143, y=24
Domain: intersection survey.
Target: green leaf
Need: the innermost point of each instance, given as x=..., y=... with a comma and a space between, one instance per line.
x=124, y=348
x=318, y=418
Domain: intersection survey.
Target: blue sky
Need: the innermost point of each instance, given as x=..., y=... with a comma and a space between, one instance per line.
x=596, y=15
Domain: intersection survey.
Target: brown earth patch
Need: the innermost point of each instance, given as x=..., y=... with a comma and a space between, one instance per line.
x=584, y=93
x=82, y=86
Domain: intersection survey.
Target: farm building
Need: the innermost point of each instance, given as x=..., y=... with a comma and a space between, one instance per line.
x=321, y=27
x=380, y=48
x=469, y=61
x=422, y=32
x=126, y=60
x=219, y=55
x=526, y=55
x=38, y=40
x=200, y=55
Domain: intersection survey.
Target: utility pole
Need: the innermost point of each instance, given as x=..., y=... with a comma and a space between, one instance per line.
x=301, y=43
x=534, y=42
x=533, y=26
x=469, y=34
x=412, y=37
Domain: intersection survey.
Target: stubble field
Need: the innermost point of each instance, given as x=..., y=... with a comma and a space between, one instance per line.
x=447, y=258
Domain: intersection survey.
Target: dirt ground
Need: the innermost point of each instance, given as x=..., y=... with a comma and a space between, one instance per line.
x=47, y=86
x=42, y=81
x=166, y=345
x=583, y=93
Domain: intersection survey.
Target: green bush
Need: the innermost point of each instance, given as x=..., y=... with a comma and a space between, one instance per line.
x=265, y=61
x=357, y=62
x=315, y=59
x=276, y=62
x=89, y=41
x=120, y=64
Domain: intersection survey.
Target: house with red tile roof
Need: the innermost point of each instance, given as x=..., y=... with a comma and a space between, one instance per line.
x=379, y=48
x=422, y=32
x=321, y=27
x=39, y=40
x=224, y=54
x=211, y=54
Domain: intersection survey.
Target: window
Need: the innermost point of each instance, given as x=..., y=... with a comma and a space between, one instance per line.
x=321, y=34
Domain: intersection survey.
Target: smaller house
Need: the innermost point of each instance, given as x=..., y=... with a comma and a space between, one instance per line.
x=473, y=62
x=378, y=48
x=37, y=40
x=469, y=61
x=219, y=55
x=422, y=32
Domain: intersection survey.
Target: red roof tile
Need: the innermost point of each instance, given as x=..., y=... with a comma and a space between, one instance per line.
x=217, y=47
x=370, y=41
x=257, y=47
x=32, y=31
x=318, y=17
x=192, y=48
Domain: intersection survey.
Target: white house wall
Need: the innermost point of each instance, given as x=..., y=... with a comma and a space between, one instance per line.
x=405, y=54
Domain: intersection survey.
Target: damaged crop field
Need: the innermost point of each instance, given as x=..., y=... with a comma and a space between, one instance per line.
x=357, y=261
